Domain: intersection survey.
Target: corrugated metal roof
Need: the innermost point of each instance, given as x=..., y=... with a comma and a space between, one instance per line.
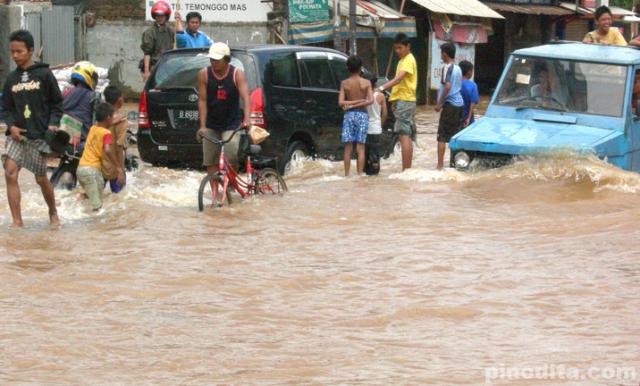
x=616, y=11
x=459, y=7
x=372, y=9
x=530, y=9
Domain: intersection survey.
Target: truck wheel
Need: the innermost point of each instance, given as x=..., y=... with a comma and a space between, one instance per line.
x=296, y=152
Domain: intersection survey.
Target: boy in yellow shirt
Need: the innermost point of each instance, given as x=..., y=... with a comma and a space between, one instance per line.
x=604, y=34
x=97, y=147
x=403, y=96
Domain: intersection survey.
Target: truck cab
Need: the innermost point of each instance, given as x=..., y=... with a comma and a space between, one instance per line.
x=566, y=96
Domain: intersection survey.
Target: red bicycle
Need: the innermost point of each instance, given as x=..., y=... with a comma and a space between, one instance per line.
x=215, y=188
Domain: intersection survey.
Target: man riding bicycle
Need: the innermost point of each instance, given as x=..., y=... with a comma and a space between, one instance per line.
x=221, y=86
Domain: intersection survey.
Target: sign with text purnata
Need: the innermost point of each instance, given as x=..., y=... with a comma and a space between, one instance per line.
x=229, y=11
x=308, y=11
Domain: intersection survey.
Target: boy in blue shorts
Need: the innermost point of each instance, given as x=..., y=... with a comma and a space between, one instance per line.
x=355, y=96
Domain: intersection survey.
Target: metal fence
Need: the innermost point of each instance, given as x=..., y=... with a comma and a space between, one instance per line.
x=54, y=33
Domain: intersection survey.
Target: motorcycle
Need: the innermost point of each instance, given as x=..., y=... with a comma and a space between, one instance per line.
x=64, y=175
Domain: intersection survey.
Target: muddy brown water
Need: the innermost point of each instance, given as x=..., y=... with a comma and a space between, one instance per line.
x=421, y=277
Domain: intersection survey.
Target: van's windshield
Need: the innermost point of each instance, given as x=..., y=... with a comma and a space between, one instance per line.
x=563, y=85
x=180, y=71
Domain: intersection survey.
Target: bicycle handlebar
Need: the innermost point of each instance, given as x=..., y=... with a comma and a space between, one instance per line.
x=221, y=142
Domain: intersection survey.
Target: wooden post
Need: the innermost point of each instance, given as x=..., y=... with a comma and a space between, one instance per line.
x=374, y=54
x=386, y=74
x=175, y=37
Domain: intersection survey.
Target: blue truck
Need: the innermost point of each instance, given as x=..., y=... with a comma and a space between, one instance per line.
x=559, y=96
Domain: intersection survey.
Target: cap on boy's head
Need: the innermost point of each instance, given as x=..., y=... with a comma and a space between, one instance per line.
x=601, y=11
x=401, y=39
x=112, y=94
x=466, y=67
x=22, y=35
x=103, y=112
x=354, y=64
x=219, y=51
x=448, y=49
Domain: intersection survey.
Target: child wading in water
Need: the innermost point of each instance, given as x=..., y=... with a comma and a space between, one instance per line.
x=98, y=146
x=377, y=117
x=355, y=96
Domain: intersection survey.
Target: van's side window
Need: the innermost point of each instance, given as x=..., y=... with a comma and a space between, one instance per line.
x=339, y=68
x=285, y=71
x=318, y=74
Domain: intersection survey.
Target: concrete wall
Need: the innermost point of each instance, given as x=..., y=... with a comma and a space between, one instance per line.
x=115, y=44
x=9, y=21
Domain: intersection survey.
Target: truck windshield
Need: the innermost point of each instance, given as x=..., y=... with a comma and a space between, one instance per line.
x=563, y=85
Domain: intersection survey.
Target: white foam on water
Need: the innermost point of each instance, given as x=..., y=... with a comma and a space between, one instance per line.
x=430, y=175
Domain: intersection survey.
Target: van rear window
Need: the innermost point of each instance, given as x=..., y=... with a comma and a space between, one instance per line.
x=179, y=71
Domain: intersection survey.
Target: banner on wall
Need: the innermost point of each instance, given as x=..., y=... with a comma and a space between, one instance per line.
x=243, y=11
x=463, y=52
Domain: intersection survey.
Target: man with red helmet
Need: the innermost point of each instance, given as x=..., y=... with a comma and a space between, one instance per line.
x=158, y=38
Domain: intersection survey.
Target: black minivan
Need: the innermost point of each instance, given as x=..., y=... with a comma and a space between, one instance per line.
x=294, y=95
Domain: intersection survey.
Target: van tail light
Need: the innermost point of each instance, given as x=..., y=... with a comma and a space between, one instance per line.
x=143, y=116
x=257, y=117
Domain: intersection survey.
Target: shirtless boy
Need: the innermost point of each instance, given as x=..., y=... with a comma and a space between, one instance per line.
x=355, y=96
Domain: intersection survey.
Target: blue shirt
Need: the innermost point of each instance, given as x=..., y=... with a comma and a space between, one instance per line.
x=451, y=73
x=187, y=40
x=469, y=93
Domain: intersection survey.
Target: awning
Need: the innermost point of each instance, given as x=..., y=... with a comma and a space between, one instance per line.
x=631, y=19
x=375, y=19
x=459, y=7
x=549, y=10
x=581, y=10
x=616, y=11
x=306, y=33
x=459, y=32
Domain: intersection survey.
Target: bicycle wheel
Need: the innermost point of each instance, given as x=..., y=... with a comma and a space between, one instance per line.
x=64, y=178
x=209, y=197
x=268, y=181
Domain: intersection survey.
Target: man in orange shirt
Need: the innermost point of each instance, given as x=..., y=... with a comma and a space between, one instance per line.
x=98, y=146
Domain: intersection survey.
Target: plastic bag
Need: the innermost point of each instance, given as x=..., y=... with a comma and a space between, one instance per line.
x=257, y=134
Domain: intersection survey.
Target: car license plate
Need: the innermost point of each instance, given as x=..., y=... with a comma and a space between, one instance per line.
x=163, y=148
x=188, y=115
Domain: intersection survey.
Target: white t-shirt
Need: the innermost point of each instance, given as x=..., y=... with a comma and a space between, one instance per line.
x=375, y=120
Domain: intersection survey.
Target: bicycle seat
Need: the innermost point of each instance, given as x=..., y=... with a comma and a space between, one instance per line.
x=264, y=162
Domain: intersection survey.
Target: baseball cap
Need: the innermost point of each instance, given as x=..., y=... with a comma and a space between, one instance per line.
x=219, y=51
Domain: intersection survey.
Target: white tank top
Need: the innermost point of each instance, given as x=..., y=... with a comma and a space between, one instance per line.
x=375, y=125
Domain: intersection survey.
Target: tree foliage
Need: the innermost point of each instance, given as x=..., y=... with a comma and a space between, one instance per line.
x=622, y=3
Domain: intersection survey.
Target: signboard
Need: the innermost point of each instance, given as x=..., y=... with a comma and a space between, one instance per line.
x=463, y=52
x=308, y=11
x=230, y=11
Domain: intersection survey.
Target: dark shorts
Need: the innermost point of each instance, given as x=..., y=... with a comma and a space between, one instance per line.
x=450, y=122
x=372, y=155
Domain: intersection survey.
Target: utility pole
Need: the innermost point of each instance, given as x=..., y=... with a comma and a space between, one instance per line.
x=352, y=27
x=337, y=20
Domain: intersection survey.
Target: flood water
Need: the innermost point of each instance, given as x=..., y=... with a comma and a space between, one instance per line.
x=421, y=277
